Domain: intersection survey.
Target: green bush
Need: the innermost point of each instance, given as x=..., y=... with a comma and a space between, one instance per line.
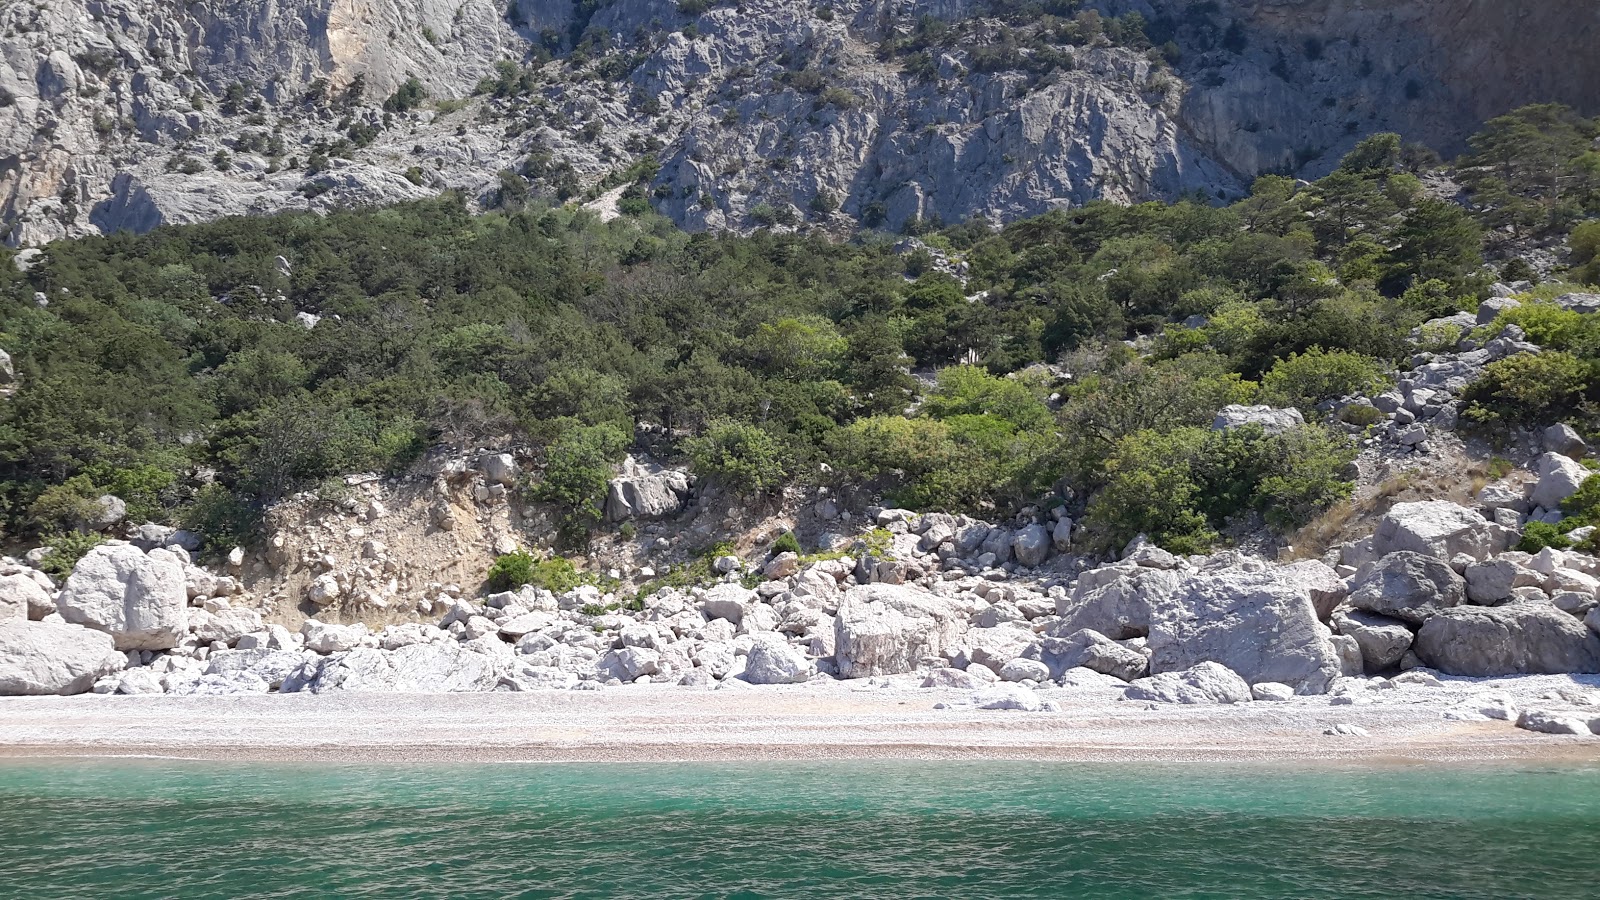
x=1306, y=379
x=577, y=470
x=1527, y=389
x=787, y=543
x=1538, y=535
x=66, y=548
x=747, y=459
x=511, y=571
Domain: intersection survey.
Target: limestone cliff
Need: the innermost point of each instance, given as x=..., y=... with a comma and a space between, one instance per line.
x=131, y=113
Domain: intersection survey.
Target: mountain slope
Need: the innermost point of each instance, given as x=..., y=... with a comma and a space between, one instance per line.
x=131, y=113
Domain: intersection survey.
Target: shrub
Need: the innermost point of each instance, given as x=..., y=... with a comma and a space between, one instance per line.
x=577, y=471
x=746, y=458
x=1527, y=389
x=787, y=543
x=66, y=548
x=1538, y=535
x=511, y=571
x=1307, y=379
x=223, y=519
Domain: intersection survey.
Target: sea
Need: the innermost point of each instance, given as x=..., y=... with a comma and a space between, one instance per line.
x=180, y=829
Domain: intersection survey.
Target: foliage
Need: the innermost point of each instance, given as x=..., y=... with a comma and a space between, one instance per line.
x=66, y=548
x=748, y=459
x=511, y=571
x=787, y=543
x=1527, y=389
x=578, y=467
x=1538, y=535
x=1303, y=380
x=1180, y=487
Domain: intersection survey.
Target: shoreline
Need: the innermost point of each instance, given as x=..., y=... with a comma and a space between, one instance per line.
x=799, y=723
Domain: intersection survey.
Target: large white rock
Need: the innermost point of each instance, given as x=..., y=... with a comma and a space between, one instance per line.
x=1271, y=419
x=1031, y=545
x=1407, y=586
x=727, y=601
x=1207, y=682
x=54, y=657
x=1559, y=478
x=1263, y=626
x=328, y=637
x=139, y=599
x=642, y=494
x=1515, y=639
x=1439, y=528
x=773, y=661
x=884, y=629
x=227, y=625
x=1008, y=696
x=1115, y=600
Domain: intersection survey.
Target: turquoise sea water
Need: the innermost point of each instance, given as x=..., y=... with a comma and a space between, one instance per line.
x=856, y=829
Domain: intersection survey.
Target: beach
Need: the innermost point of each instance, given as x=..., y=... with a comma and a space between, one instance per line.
x=816, y=721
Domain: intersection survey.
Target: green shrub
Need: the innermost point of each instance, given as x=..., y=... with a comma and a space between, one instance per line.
x=1538, y=535
x=223, y=519
x=1361, y=415
x=746, y=458
x=1306, y=379
x=1527, y=389
x=511, y=571
x=578, y=467
x=66, y=548
x=787, y=543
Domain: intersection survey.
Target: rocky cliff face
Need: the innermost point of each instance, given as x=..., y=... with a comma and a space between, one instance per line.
x=131, y=113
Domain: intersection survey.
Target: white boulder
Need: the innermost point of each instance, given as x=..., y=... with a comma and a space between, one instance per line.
x=139, y=599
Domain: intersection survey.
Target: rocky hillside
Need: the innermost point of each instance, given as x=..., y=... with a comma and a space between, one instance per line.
x=125, y=114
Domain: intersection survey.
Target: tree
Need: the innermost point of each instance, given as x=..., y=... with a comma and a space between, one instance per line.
x=747, y=459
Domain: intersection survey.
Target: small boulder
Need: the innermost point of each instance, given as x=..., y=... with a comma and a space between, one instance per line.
x=773, y=661
x=1025, y=670
x=1563, y=439
x=1440, y=529
x=1546, y=721
x=23, y=598
x=1031, y=545
x=1008, y=696
x=1383, y=641
x=1272, y=692
x=1271, y=420
x=1559, y=478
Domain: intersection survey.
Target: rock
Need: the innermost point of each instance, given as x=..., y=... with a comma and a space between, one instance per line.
x=723, y=565
x=1383, y=641
x=1141, y=551
x=417, y=669
x=1504, y=496
x=54, y=658
x=1407, y=586
x=1490, y=309
x=1345, y=729
x=1089, y=650
x=1031, y=546
x=888, y=629
x=1115, y=601
x=772, y=661
x=326, y=637
x=1563, y=439
x=1491, y=582
x=1008, y=696
x=106, y=510
x=139, y=599
x=781, y=566
x=727, y=601
x=1207, y=682
x=1438, y=528
x=226, y=625
x=22, y=598
x=324, y=590
x=1262, y=626
x=1552, y=722
x=946, y=677
x=1025, y=670
x=138, y=682
x=1061, y=535
x=1559, y=478
x=1516, y=639
x=642, y=494
x=498, y=468
x=1412, y=436
x=1272, y=420
x=1271, y=691
x=271, y=666
x=1483, y=707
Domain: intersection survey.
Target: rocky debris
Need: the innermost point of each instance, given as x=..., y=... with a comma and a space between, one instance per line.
x=53, y=658
x=1207, y=682
x=1383, y=641
x=1515, y=639
x=1271, y=419
x=886, y=629
x=1407, y=586
x=1440, y=529
x=140, y=599
x=414, y=669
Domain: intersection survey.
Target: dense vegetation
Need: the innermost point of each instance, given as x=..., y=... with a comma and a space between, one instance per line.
x=172, y=371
